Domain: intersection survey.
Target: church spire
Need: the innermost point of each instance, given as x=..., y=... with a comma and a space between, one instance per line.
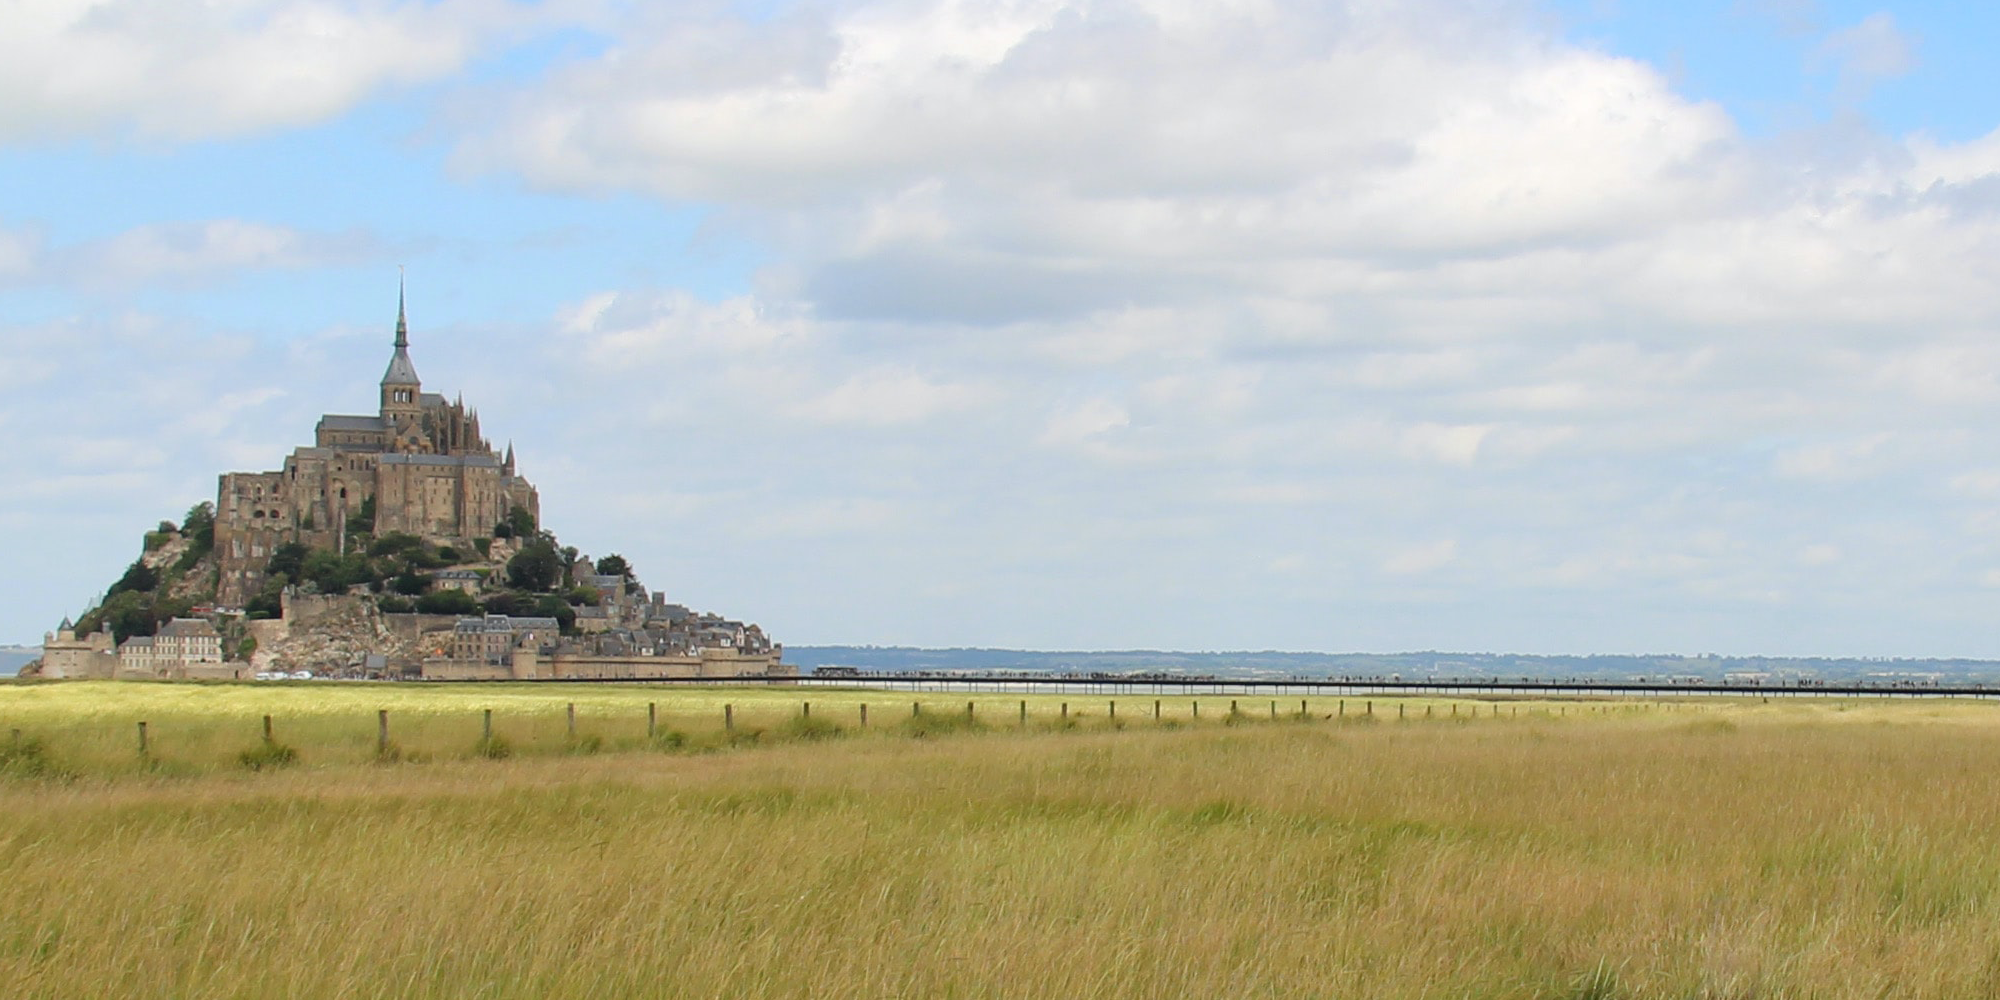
x=402, y=322
x=401, y=374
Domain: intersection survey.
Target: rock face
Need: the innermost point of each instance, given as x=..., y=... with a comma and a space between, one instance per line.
x=332, y=637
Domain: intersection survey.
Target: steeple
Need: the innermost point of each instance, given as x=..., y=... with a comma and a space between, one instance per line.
x=402, y=322
x=401, y=388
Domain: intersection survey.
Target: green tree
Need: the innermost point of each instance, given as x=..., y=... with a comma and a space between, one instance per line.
x=410, y=584
x=394, y=542
x=558, y=609
x=614, y=565
x=447, y=602
x=268, y=601
x=138, y=578
x=521, y=522
x=199, y=525
x=506, y=602
x=128, y=613
x=583, y=595
x=536, y=567
x=333, y=573
x=287, y=559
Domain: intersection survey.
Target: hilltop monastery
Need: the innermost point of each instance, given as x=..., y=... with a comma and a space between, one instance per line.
x=420, y=458
x=423, y=467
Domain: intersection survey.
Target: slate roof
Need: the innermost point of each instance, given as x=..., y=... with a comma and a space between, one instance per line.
x=349, y=422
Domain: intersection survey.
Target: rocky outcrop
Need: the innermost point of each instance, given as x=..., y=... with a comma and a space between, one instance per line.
x=334, y=639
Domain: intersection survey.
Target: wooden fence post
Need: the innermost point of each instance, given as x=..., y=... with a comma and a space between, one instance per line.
x=1065, y=711
x=916, y=709
x=1302, y=708
x=267, y=729
x=864, y=715
x=968, y=711
x=142, y=739
x=1156, y=710
x=1399, y=710
x=382, y=732
x=1114, y=709
x=486, y=727
x=1232, y=708
x=1024, y=711
x=652, y=719
x=729, y=718
x=1370, y=706
x=805, y=710
x=1195, y=708
x=1342, y=710
x=1274, y=709
x=572, y=720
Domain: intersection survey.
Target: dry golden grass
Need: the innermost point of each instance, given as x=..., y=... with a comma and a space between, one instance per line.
x=1795, y=849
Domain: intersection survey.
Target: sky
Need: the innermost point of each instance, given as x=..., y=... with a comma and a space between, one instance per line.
x=1489, y=325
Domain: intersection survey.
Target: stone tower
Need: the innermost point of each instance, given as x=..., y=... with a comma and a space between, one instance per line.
x=402, y=392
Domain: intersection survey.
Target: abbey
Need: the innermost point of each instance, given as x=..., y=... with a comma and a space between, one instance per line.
x=419, y=458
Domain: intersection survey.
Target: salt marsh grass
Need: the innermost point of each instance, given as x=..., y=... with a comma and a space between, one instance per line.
x=1791, y=849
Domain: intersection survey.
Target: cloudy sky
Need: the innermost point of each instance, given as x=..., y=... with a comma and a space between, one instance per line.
x=1556, y=326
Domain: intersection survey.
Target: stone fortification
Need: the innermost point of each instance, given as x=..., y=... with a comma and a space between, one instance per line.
x=419, y=465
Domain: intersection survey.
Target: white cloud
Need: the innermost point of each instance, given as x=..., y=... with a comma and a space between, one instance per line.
x=1875, y=49
x=617, y=330
x=191, y=70
x=890, y=396
x=178, y=251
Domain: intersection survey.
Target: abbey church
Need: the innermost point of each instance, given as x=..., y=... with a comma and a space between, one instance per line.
x=419, y=458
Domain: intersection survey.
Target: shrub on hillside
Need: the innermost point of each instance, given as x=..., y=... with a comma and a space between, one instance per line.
x=447, y=602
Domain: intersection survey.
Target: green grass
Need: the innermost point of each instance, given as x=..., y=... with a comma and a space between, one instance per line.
x=1717, y=849
x=198, y=728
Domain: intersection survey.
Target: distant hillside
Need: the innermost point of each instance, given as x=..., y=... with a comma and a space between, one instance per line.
x=1418, y=664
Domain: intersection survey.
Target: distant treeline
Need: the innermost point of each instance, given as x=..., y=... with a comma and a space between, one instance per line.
x=1415, y=664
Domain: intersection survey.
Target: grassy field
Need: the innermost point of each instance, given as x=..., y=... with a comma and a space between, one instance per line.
x=1728, y=850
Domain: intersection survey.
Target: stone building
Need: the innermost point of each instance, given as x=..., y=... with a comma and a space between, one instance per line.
x=183, y=647
x=420, y=458
x=66, y=654
x=491, y=640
